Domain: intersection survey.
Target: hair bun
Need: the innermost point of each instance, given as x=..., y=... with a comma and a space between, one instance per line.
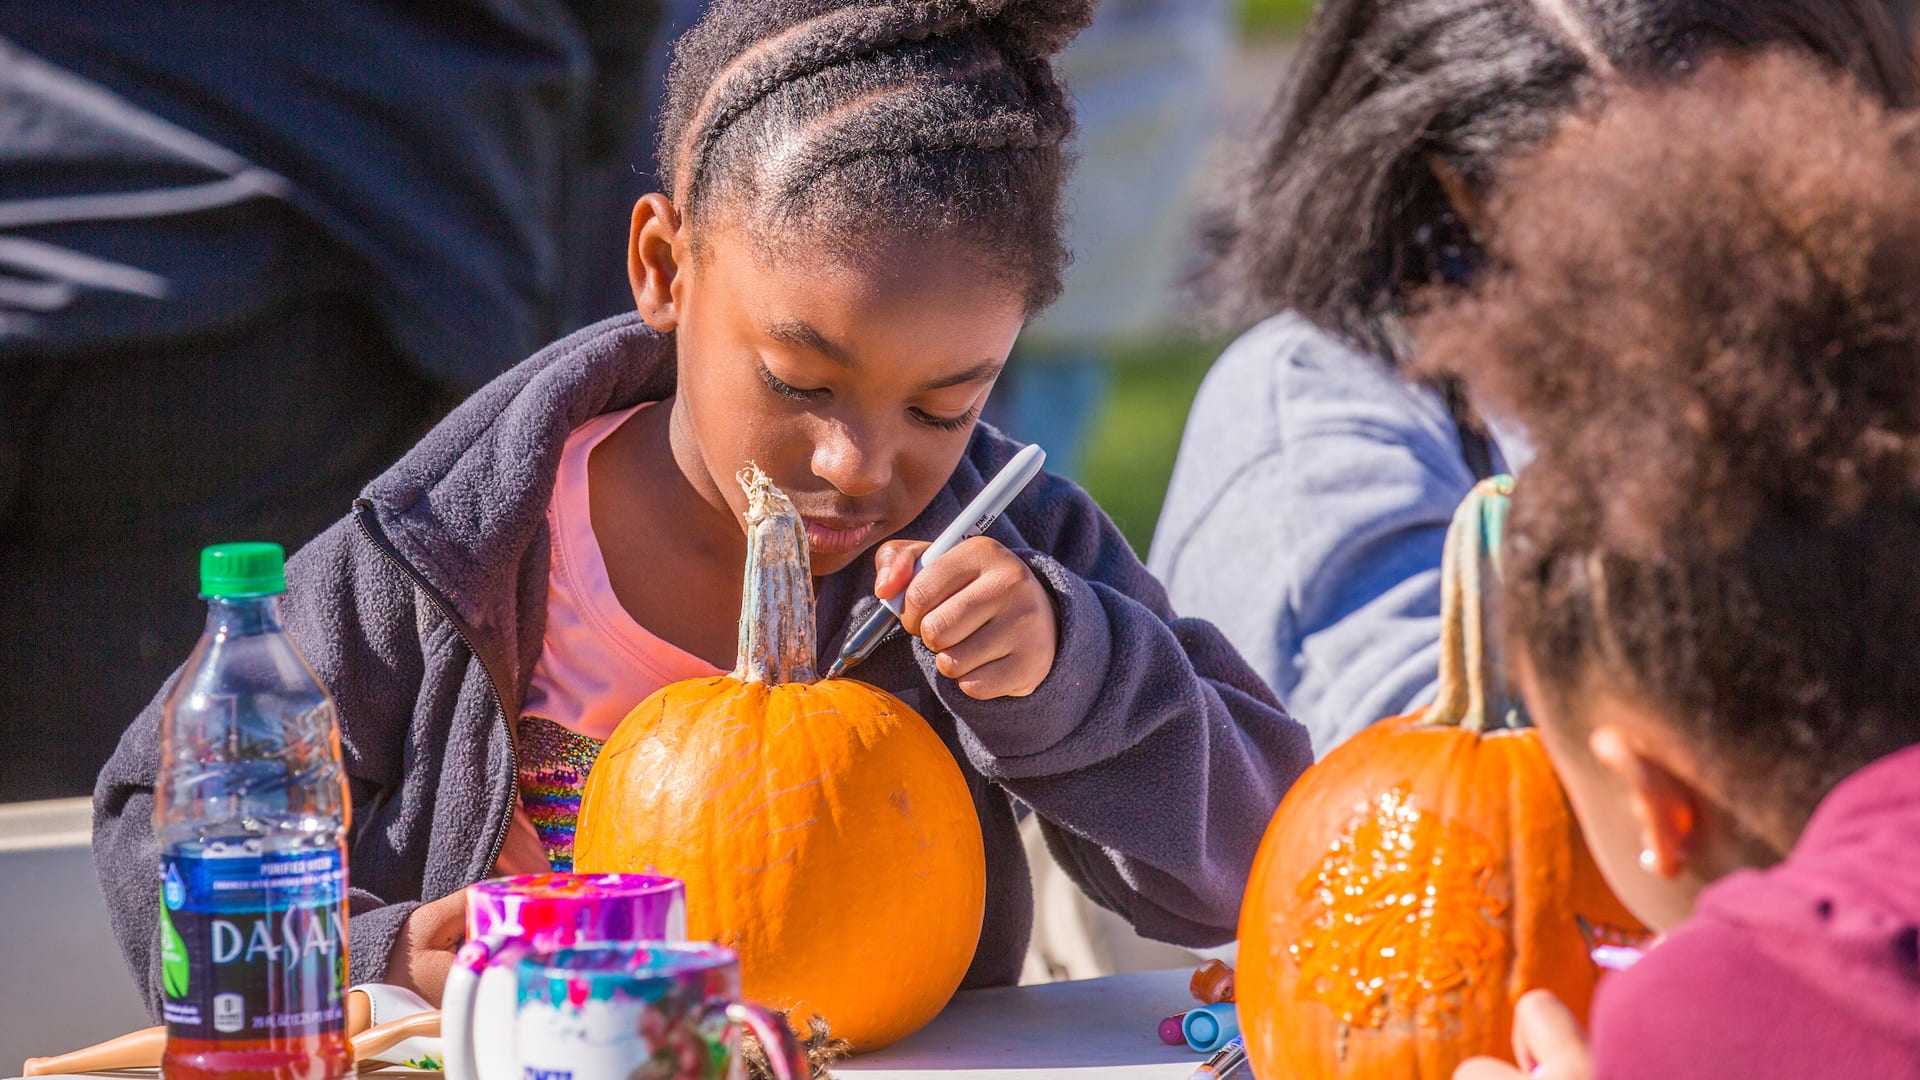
x=1032, y=29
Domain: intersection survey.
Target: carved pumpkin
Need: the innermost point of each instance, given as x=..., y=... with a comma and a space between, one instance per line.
x=823, y=830
x=1426, y=873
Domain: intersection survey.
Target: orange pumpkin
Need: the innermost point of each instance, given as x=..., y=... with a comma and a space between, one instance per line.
x=1426, y=873
x=823, y=830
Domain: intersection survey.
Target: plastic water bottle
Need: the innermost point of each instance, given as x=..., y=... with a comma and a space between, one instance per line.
x=251, y=812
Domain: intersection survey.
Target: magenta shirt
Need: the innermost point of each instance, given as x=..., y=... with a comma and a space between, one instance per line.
x=1808, y=969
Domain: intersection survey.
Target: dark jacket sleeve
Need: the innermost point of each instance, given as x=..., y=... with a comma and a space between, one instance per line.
x=353, y=616
x=1152, y=753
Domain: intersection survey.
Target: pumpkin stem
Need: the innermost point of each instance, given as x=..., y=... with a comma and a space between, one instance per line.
x=776, y=599
x=1473, y=674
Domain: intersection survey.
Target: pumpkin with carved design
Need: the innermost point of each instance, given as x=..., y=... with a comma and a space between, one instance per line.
x=823, y=830
x=1426, y=873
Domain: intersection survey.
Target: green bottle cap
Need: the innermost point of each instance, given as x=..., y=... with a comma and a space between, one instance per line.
x=241, y=570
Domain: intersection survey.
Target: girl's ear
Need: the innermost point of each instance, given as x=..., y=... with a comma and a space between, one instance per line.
x=1664, y=804
x=654, y=254
x=1467, y=202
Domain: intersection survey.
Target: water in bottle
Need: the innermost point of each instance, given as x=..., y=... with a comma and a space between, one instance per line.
x=250, y=808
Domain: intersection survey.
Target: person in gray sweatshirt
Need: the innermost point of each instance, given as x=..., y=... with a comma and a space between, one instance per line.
x=1310, y=501
x=863, y=212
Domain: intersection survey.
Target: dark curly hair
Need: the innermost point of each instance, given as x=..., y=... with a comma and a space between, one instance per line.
x=1707, y=315
x=1338, y=215
x=837, y=121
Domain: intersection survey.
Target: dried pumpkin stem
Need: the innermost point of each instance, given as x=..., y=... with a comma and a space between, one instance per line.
x=1473, y=674
x=776, y=601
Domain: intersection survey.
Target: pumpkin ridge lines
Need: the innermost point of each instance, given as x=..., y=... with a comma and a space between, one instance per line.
x=789, y=857
x=815, y=820
x=794, y=718
x=741, y=817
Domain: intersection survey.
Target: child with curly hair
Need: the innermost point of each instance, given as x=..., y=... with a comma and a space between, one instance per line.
x=1708, y=317
x=860, y=210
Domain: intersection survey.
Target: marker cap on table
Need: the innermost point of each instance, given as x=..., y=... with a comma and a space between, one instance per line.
x=1173, y=1030
x=1208, y=1027
x=1212, y=983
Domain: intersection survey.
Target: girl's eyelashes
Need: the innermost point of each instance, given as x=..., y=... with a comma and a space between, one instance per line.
x=792, y=392
x=946, y=423
x=795, y=393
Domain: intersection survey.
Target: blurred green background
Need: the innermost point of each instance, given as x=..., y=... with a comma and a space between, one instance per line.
x=1130, y=455
x=1274, y=16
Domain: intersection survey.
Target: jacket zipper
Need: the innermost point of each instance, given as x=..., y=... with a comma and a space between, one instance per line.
x=362, y=511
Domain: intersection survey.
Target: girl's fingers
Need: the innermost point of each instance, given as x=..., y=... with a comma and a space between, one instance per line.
x=966, y=657
x=960, y=617
x=982, y=612
x=945, y=577
x=1486, y=1068
x=423, y=953
x=1005, y=677
x=1547, y=1038
x=893, y=565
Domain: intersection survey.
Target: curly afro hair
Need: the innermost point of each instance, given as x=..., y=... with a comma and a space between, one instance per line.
x=1707, y=314
x=834, y=122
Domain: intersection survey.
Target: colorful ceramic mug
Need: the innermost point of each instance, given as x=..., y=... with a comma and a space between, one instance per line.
x=631, y=1012
x=511, y=917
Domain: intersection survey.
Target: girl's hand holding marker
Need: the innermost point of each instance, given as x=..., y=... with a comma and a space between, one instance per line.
x=979, y=609
x=973, y=603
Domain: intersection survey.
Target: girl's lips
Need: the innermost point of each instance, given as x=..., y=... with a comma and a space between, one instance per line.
x=827, y=540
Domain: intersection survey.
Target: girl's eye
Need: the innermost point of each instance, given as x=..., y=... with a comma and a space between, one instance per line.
x=785, y=391
x=946, y=423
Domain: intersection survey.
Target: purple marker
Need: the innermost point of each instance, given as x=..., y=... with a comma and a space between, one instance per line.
x=1616, y=957
x=1611, y=949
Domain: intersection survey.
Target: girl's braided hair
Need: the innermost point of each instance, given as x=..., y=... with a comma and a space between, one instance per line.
x=836, y=121
x=1338, y=215
x=1707, y=315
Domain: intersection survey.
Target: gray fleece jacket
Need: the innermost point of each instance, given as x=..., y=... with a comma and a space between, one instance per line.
x=1152, y=754
x=1307, y=514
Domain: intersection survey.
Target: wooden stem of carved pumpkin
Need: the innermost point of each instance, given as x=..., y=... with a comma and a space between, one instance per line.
x=776, y=599
x=1473, y=690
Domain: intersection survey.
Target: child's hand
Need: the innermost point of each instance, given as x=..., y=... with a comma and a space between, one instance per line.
x=423, y=953
x=986, y=618
x=1547, y=1041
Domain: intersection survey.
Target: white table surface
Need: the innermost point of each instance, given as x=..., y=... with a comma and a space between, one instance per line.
x=1093, y=1027
x=1080, y=1030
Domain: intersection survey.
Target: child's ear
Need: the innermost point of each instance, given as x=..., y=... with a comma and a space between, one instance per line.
x=653, y=260
x=1664, y=804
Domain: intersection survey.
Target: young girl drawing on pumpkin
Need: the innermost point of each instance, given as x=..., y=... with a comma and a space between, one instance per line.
x=1710, y=323
x=860, y=209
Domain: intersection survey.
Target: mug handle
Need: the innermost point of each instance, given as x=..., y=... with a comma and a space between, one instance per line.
x=459, y=1002
x=784, y=1052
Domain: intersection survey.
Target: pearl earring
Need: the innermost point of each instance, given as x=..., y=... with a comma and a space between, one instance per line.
x=1649, y=861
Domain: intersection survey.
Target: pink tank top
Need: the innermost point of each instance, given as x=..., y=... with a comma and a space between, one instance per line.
x=596, y=663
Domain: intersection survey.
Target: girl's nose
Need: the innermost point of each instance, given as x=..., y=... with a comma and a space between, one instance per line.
x=855, y=462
